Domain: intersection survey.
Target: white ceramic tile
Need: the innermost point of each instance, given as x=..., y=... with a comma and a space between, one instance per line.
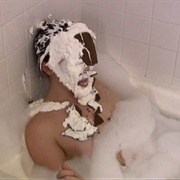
x=139, y=7
x=134, y=53
x=11, y=9
x=58, y=8
x=38, y=86
x=89, y=16
x=113, y=5
x=74, y=14
x=110, y=44
x=90, y=2
x=30, y=3
x=31, y=57
x=14, y=34
x=167, y=10
x=1, y=46
x=110, y=22
x=159, y=77
x=0, y=15
x=137, y=28
x=176, y=82
x=134, y=70
x=35, y=82
x=17, y=63
x=3, y=76
x=161, y=60
x=165, y=35
x=32, y=18
x=4, y=96
x=179, y=46
x=16, y=87
x=177, y=68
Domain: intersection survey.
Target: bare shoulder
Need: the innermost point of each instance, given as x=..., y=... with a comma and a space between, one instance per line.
x=108, y=100
x=40, y=135
x=105, y=93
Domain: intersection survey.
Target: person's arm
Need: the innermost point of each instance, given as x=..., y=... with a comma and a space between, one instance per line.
x=42, y=145
x=68, y=173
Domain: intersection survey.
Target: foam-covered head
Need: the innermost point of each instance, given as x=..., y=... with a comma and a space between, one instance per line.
x=69, y=51
x=48, y=30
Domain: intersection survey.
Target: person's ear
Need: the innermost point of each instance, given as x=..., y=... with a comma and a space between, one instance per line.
x=46, y=69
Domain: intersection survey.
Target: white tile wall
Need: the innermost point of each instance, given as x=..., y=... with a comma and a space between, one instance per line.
x=0, y=14
x=165, y=35
x=30, y=3
x=2, y=53
x=110, y=43
x=142, y=35
x=14, y=34
x=3, y=76
x=74, y=14
x=90, y=16
x=16, y=64
x=110, y=22
x=176, y=82
x=137, y=28
x=16, y=49
x=91, y=2
x=177, y=68
x=113, y=5
x=59, y=7
x=167, y=10
x=32, y=17
x=134, y=53
x=11, y=9
x=4, y=96
x=139, y=7
x=161, y=60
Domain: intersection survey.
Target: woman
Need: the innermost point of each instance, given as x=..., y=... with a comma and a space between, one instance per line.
x=64, y=124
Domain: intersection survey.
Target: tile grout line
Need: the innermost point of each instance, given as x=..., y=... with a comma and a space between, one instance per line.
x=149, y=40
x=122, y=34
x=175, y=63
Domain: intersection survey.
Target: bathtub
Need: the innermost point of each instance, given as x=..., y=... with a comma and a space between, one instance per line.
x=158, y=105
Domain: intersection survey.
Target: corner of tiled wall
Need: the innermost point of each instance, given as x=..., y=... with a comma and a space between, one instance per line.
x=17, y=18
x=143, y=36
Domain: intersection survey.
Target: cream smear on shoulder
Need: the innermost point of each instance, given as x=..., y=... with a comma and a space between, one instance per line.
x=41, y=106
x=76, y=126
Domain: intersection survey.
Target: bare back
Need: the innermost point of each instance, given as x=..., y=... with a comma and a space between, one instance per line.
x=43, y=133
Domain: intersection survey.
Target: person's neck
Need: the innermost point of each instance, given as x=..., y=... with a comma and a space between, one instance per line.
x=58, y=92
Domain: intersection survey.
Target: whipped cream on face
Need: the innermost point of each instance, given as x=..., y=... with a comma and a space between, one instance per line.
x=65, y=52
x=69, y=51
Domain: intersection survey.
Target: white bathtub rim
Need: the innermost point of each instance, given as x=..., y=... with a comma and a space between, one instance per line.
x=165, y=97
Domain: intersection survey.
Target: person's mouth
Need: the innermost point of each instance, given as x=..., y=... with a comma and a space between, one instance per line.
x=83, y=82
